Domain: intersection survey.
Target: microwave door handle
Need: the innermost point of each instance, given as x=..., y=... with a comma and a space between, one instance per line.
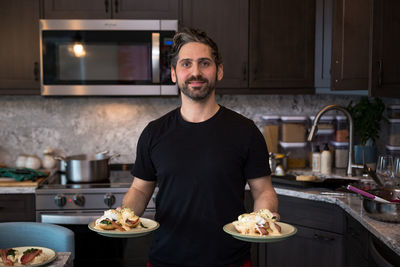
x=155, y=56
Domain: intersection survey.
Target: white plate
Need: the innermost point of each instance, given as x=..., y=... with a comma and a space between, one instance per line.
x=287, y=231
x=149, y=224
x=51, y=255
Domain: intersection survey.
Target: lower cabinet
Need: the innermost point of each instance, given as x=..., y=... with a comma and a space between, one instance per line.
x=319, y=240
x=17, y=208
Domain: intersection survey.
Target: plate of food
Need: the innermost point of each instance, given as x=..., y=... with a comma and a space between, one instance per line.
x=123, y=224
x=259, y=227
x=23, y=256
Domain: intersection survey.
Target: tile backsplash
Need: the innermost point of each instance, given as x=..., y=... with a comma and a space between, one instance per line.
x=75, y=125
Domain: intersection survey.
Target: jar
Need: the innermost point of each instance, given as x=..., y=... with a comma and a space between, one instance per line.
x=341, y=154
x=393, y=112
x=271, y=132
x=394, y=132
x=21, y=160
x=48, y=160
x=326, y=131
x=297, y=153
x=342, y=129
x=293, y=129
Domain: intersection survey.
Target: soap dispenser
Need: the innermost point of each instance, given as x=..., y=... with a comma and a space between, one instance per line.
x=326, y=160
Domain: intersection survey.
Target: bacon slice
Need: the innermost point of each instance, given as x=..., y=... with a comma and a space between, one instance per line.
x=262, y=230
x=278, y=227
x=3, y=253
x=132, y=223
x=28, y=257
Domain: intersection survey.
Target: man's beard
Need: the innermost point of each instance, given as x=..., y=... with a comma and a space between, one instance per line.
x=198, y=93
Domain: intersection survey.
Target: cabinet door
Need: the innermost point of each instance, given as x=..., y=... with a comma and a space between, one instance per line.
x=19, y=48
x=385, y=58
x=308, y=247
x=149, y=9
x=17, y=207
x=282, y=45
x=226, y=21
x=350, y=45
x=77, y=9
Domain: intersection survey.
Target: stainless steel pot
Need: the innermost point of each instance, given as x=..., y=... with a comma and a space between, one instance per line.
x=87, y=168
x=386, y=212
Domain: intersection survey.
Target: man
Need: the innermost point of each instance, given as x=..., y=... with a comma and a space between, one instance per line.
x=200, y=155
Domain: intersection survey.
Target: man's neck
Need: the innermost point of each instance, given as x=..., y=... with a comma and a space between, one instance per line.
x=198, y=111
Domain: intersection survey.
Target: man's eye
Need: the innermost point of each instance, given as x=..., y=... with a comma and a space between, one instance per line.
x=205, y=63
x=185, y=64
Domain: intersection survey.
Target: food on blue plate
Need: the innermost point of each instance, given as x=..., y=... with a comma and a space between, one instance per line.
x=260, y=223
x=32, y=256
x=121, y=220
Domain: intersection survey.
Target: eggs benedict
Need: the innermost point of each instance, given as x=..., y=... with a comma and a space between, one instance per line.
x=258, y=223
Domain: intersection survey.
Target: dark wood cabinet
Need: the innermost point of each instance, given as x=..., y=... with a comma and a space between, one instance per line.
x=226, y=21
x=350, y=45
x=320, y=236
x=282, y=46
x=385, y=52
x=110, y=9
x=19, y=48
x=356, y=243
x=17, y=208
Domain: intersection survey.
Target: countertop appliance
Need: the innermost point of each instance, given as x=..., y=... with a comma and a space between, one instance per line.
x=106, y=57
x=74, y=206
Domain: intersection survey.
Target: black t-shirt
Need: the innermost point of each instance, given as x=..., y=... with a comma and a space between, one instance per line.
x=201, y=171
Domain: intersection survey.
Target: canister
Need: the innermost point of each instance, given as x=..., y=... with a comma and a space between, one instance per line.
x=341, y=154
x=393, y=112
x=326, y=130
x=293, y=129
x=271, y=132
x=394, y=132
x=297, y=153
x=394, y=151
x=342, y=129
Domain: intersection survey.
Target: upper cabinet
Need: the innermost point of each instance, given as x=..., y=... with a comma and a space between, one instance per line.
x=110, y=9
x=226, y=21
x=282, y=46
x=350, y=46
x=385, y=52
x=19, y=48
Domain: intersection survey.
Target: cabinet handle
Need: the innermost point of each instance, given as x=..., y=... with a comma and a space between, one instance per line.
x=116, y=6
x=106, y=4
x=323, y=238
x=36, y=71
x=380, y=72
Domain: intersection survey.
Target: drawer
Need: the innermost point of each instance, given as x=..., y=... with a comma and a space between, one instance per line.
x=311, y=213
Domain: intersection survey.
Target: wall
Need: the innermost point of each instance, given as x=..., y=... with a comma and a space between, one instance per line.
x=74, y=125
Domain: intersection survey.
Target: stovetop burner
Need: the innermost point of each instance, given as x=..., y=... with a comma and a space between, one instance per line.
x=120, y=177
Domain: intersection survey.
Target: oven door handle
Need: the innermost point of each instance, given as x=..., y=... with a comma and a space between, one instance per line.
x=69, y=219
x=155, y=56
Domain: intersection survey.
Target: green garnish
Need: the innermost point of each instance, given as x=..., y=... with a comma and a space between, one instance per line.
x=106, y=222
x=29, y=250
x=141, y=224
x=273, y=217
x=11, y=252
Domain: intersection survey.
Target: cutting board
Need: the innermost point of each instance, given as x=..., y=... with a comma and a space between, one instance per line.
x=10, y=182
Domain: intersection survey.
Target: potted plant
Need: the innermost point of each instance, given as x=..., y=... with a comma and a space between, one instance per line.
x=367, y=116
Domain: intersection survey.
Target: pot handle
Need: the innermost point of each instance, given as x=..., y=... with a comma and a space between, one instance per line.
x=116, y=155
x=102, y=153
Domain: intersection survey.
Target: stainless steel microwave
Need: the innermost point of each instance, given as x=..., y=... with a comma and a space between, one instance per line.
x=106, y=57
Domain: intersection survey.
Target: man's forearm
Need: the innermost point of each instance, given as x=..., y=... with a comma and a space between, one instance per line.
x=266, y=200
x=138, y=196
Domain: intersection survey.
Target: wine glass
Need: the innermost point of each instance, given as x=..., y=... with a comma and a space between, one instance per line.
x=384, y=170
x=396, y=171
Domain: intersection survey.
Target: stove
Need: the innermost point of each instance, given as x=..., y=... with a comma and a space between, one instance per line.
x=61, y=202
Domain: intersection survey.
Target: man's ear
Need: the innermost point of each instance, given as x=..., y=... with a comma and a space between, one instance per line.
x=220, y=73
x=173, y=75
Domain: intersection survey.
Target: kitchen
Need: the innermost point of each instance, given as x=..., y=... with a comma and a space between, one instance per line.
x=73, y=125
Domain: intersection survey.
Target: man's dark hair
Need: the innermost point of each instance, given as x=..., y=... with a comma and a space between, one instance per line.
x=189, y=35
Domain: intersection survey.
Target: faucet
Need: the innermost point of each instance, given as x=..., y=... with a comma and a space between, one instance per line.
x=314, y=129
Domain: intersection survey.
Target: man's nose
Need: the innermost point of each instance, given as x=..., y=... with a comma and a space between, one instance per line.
x=196, y=70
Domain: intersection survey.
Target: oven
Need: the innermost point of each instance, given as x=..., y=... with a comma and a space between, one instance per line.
x=76, y=205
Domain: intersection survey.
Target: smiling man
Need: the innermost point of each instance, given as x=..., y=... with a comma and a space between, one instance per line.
x=200, y=155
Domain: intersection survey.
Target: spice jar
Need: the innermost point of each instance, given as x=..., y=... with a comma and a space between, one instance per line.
x=341, y=154
x=342, y=129
x=271, y=132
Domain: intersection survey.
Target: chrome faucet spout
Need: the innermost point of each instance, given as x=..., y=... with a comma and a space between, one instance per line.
x=314, y=129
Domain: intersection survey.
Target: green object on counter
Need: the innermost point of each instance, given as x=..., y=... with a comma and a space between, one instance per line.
x=21, y=174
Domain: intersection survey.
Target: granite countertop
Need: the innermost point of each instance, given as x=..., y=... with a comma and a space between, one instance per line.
x=388, y=233
x=17, y=190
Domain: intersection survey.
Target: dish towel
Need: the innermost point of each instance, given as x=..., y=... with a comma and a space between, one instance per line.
x=24, y=174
